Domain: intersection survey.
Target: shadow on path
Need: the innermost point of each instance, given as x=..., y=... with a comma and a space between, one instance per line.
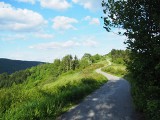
x=111, y=102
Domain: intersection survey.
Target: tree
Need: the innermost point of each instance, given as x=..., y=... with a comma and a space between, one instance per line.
x=67, y=63
x=84, y=63
x=95, y=58
x=119, y=56
x=141, y=21
x=57, y=69
x=75, y=63
x=57, y=62
x=87, y=57
x=4, y=79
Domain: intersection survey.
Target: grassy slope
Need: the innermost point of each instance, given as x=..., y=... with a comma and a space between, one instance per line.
x=47, y=100
x=118, y=70
x=115, y=69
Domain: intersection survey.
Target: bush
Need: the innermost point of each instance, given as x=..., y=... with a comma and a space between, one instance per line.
x=116, y=71
x=153, y=109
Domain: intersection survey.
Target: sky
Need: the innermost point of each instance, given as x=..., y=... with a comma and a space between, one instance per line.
x=44, y=30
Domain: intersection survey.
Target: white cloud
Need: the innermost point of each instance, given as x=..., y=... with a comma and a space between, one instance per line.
x=64, y=23
x=92, y=21
x=88, y=42
x=87, y=18
x=17, y=19
x=55, y=4
x=11, y=37
x=4, y=5
x=89, y=4
x=50, y=4
x=95, y=21
x=27, y=1
x=44, y=36
x=53, y=45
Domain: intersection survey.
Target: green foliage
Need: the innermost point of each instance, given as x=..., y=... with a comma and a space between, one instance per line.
x=153, y=109
x=141, y=21
x=43, y=71
x=119, y=56
x=47, y=90
x=87, y=55
x=96, y=58
x=17, y=78
x=40, y=72
x=84, y=63
x=47, y=100
x=67, y=63
x=118, y=70
x=75, y=63
x=88, y=59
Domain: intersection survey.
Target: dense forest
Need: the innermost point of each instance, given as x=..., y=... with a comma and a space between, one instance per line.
x=140, y=21
x=11, y=66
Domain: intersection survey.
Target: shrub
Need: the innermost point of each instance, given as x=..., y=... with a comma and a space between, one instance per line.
x=116, y=71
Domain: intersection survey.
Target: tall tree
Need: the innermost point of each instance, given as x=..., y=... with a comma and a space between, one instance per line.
x=75, y=63
x=57, y=66
x=87, y=57
x=141, y=21
x=67, y=63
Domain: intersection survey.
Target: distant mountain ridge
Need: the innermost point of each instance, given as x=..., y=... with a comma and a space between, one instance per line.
x=10, y=66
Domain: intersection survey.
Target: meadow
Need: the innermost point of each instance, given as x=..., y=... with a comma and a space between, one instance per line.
x=116, y=69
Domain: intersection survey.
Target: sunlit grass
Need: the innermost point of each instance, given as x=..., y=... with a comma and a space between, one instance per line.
x=47, y=100
x=116, y=69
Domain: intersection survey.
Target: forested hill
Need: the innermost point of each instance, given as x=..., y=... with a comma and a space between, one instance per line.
x=10, y=66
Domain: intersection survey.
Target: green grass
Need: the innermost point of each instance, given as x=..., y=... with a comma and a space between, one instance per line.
x=47, y=100
x=104, y=62
x=116, y=69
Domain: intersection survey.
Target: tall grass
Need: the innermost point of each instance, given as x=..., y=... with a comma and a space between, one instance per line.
x=47, y=100
x=118, y=70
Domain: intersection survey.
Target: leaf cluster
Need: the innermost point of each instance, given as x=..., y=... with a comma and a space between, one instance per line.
x=141, y=21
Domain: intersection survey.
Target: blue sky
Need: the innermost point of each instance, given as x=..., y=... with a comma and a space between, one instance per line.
x=43, y=30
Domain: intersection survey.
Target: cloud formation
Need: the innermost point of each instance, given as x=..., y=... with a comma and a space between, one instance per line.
x=44, y=36
x=90, y=43
x=55, y=4
x=67, y=44
x=10, y=37
x=53, y=45
x=95, y=21
x=17, y=19
x=92, y=21
x=64, y=23
x=88, y=4
x=92, y=5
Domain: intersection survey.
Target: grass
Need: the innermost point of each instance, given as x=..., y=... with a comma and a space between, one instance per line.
x=47, y=100
x=116, y=69
x=104, y=62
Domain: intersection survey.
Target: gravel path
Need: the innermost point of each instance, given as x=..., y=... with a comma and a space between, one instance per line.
x=111, y=102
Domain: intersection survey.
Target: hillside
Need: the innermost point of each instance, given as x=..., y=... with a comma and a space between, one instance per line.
x=11, y=66
x=47, y=90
